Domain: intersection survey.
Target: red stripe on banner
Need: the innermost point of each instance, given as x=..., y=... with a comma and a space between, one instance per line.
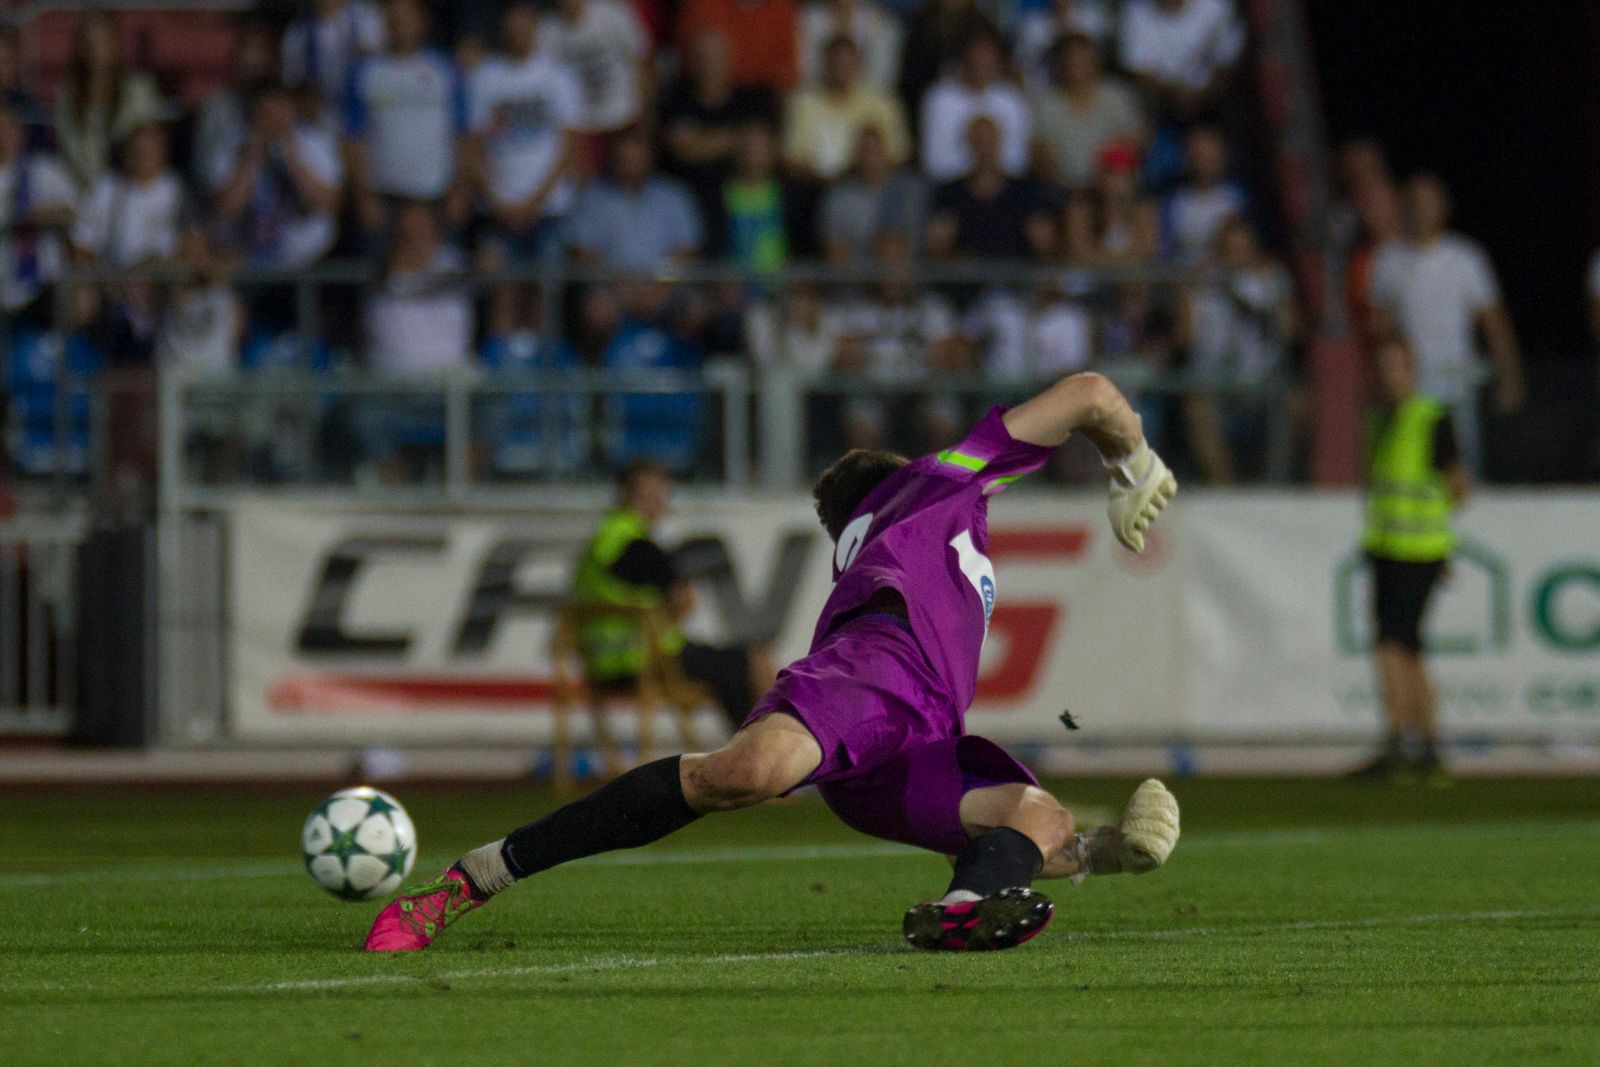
x=356, y=692
x=1046, y=542
x=1026, y=630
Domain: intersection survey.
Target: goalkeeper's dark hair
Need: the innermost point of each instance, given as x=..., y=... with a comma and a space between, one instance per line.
x=843, y=486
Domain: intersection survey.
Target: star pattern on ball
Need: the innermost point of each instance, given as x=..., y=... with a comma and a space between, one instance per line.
x=379, y=806
x=344, y=844
x=398, y=859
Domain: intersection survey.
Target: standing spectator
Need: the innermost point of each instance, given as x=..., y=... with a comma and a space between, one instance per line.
x=1366, y=217
x=635, y=219
x=938, y=35
x=419, y=318
x=754, y=202
x=276, y=187
x=1241, y=322
x=1045, y=27
x=1196, y=210
x=876, y=33
x=1437, y=288
x=525, y=107
x=823, y=123
x=1115, y=223
x=220, y=125
x=988, y=213
x=1080, y=113
x=604, y=44
x=133, y=217
x=1182, y=51
x=701, y=118
x=405, y=117
x=37, y=202
x=874, y=200
x=325, y=45
x=765, y=34
x=978, y=87
x=101, y=102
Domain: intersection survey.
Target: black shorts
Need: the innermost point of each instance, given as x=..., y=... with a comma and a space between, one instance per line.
x=1400, y=592
x=724, y=671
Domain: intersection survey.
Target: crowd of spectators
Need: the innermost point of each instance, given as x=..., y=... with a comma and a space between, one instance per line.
x=1067, y=134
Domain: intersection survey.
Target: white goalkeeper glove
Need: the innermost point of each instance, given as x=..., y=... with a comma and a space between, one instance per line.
x=1149, y=827
x=1141, y=485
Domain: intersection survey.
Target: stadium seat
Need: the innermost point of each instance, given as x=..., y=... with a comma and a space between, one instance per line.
x=34, y=365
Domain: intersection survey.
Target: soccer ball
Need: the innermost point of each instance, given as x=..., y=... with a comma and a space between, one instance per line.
x=359, y=844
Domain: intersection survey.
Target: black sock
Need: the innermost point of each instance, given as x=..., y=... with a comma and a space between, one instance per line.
x=642, y=806
x=997, y=859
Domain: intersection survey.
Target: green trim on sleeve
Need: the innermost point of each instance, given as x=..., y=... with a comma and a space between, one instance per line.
x=961, y=459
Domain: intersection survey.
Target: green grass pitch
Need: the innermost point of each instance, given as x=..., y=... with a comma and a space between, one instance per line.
x=1309, y=922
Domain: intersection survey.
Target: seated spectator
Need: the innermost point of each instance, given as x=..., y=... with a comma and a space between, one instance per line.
x=1045, y=27
x=204, y=318
x=418, y=318
x=405, y=117
x=1182, y=52
x=701, y=119
x=765, y=34
x=276, y=187
x=221, y=121
x=823, y=122
x=1114, y=223
x=1196, y=210
x=101, y=102
x=1061, y=335
x=936, y=37
x=801, y=337
x=988, y=214
x=635, y=219
x=1143, y=333
x=978, y=87
x=876, y=33
x=604, y=44
x=753, y=199
x=1242, y=323
x=664, y=427
x=328, y=41
x=874, y=198
x=525, y=107
x=133, y=217
x=37, y=203
x=1081, y=112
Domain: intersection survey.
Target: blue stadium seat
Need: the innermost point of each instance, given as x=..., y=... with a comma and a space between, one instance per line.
x=35, y=364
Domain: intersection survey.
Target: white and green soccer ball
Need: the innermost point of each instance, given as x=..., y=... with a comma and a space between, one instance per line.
x=359, y=844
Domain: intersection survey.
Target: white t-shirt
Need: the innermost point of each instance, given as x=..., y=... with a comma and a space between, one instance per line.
x=325, y=49
x=1062, y=338
x=1039, y=30
x=1194, y=215
x=878, y=39
x=603, y=49
x=419, y=323
x=897, y=336
x=200, y=331
x=1236, y=336
x=1185, y=47
x=48, y=186
x=949, y=109
x=409, y=110
x=124, y=224
x=306, y=236
x=523, y=109
x=1436, y=293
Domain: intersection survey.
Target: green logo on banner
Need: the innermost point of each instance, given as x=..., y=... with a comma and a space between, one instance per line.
x=1558, y=587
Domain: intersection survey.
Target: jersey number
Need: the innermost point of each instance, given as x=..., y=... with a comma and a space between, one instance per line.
x=979, y=571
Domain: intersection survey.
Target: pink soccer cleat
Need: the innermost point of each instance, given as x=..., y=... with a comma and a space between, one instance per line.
x=1004, y=920
x=411, y=921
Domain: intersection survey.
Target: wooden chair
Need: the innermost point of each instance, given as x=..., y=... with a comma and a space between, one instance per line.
x=660, y=685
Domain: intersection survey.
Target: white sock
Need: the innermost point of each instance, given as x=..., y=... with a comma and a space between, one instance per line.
x=960, y=896
x=486, y=866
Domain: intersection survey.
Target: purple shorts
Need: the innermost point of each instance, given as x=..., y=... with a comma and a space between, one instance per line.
x=896, y=759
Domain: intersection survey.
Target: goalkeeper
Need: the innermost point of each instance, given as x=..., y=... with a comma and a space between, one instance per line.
x=873, y=715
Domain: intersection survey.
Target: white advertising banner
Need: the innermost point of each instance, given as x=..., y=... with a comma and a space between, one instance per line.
x=1246, y=619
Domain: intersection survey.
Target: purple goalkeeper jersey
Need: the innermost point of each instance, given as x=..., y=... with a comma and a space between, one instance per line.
x=924, y=533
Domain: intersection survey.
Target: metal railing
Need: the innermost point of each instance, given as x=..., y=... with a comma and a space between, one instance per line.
x=38, y=623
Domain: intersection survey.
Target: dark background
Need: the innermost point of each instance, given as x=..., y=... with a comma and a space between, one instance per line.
x=1503, y=101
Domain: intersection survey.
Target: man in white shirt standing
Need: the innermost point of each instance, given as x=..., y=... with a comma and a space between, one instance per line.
x=1182, y=51
x=405, y=117
x=604, y=44
x=133, y=217
x=37, y=201
x=978, y=88
x=1438, y=289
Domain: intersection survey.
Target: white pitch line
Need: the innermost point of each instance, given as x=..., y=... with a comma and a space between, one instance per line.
x=605, y=964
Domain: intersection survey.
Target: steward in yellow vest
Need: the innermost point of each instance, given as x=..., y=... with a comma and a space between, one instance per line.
x=622, y=564
x=1415, y=482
